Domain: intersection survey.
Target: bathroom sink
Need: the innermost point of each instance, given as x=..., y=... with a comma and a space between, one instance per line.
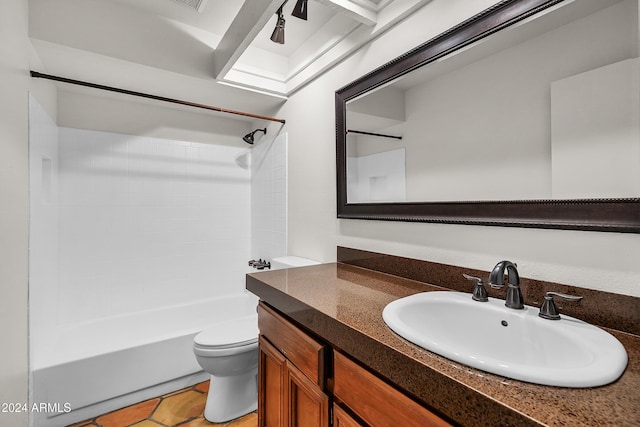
x=517, y=344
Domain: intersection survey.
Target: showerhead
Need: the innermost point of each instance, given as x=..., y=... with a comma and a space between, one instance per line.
x=249, y=138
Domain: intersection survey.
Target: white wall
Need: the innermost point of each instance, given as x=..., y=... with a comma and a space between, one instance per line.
x=103, y=111
x=605, y=163
x=14, y=213
x=379, y=177
x=606, y=261
x=16, y=58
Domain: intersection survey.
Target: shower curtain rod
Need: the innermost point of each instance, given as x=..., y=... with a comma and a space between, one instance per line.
x=149, y=96
x=361, y=132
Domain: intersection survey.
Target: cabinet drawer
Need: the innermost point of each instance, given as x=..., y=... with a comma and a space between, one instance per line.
x=375, y=401
x=307, y=354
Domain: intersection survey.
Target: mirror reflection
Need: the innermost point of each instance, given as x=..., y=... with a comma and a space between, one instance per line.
x=545, y=109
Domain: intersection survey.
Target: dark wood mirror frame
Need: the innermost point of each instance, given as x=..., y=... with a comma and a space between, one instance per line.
x=614, y=215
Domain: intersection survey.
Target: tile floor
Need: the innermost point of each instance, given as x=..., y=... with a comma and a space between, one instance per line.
x=183, y=408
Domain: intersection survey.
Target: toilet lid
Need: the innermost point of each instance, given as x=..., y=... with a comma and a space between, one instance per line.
x=231, y=333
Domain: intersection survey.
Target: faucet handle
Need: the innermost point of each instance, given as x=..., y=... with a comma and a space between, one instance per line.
x=479, y=292
x=548, y=309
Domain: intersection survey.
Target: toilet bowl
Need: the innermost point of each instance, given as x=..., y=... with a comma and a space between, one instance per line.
x=228, y=351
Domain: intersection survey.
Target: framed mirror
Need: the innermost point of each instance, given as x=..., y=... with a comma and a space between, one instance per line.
x=526, y=115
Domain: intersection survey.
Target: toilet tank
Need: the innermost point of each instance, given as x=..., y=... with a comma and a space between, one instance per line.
x=291, y=261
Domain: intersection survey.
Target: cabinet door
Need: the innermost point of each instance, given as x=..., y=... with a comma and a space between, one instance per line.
x=342, y=419
x=271, y=386
x=307, y=405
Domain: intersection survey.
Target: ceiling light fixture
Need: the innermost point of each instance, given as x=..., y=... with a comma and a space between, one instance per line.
x=300, y=9
x=278, y=32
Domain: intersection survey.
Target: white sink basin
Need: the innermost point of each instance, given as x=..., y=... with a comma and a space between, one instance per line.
x=516, y=344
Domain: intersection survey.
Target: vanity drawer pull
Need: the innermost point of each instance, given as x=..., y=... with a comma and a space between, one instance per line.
x=307, y=354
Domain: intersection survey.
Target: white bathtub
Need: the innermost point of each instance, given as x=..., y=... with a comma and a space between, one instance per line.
x=99, y=366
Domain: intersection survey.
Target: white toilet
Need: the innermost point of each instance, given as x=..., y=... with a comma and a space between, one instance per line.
x=229, y=352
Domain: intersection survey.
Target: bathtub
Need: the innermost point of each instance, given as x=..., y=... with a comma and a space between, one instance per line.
x=98, y=366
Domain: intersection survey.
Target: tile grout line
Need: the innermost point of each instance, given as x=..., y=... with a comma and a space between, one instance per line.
x=163, y=397
x=93, y=422
x=154, y=410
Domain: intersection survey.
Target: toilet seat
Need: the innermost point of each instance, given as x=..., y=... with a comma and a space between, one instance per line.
x=231, y=334
x=221, y=347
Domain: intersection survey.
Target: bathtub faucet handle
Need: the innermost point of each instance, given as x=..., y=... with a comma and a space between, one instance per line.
x=260, y=264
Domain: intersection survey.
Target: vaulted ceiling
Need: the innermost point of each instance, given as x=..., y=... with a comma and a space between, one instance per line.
x=205, y=48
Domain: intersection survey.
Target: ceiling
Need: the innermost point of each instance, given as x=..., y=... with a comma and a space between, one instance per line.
x=168, y=48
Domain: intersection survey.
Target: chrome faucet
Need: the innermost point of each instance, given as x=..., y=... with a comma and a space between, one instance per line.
x=496, y=280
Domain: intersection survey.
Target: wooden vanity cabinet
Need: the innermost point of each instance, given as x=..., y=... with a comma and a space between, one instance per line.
x=291, y=375
x=293, y=391
x=374, y=401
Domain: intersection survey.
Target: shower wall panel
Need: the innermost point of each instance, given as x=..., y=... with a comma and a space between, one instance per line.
x=43, y=227
x=269, y=198
x=148, y=223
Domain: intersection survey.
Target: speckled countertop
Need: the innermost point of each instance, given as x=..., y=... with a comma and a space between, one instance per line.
x=343, y=305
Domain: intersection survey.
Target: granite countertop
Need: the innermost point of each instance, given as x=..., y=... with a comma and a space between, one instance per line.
x=343, y=305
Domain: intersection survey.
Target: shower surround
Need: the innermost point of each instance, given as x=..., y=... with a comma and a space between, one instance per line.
x=137, y=243
x=145, y=222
